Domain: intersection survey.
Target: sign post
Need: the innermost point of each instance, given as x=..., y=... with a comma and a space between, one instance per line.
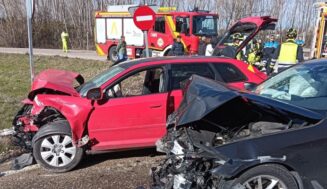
x=29, y=11
x=144, y=19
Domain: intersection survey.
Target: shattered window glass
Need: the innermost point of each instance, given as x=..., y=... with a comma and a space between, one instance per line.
x=304, y=85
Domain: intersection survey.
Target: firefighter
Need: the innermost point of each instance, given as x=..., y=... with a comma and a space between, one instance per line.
x=237, y=39
x=202, y=46
x=121, y=50
x=268, y=52
x=230, y=49
x=288, y=53
x=253, y=56
x=178, y=47
x=64, y=40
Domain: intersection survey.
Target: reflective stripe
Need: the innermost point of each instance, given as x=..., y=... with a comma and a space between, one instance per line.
x=284, y=65
x=99, y=50
x=288, y=53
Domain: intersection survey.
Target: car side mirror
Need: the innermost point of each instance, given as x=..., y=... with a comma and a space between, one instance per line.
x=250, y=86
x=94, y=94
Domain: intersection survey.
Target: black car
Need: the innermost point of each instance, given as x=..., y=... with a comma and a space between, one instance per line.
x=273, y=138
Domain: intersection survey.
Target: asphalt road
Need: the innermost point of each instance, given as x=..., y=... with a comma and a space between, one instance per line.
x=117, y=170
x=83, y=54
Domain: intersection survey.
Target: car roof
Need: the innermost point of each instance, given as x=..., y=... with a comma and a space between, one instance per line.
x=173, y=59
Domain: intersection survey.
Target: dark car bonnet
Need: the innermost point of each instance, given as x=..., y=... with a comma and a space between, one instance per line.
x=203, y=96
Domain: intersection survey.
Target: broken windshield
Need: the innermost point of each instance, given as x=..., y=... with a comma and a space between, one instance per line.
x=303, y=85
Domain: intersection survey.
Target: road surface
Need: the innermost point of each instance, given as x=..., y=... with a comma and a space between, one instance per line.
x=83, y=54
x=123, y=170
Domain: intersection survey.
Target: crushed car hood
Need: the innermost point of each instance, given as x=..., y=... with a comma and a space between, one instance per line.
x=203, y=97
x=58, y=81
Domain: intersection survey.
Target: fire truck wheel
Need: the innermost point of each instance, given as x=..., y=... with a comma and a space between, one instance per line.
x=112, y=54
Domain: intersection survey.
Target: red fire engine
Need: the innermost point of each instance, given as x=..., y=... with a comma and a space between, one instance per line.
x=117, y=22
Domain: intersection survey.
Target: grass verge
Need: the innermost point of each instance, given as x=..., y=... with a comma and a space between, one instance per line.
x=15, y=79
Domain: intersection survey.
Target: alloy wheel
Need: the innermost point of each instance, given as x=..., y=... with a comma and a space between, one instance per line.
x=57, y=150
x=264, y=182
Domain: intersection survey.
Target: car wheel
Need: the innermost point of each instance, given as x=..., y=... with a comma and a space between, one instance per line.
x=113, y=54
x=264, y=176
x=57, y=153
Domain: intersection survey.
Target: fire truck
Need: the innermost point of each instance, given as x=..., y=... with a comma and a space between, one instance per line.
x=117, y=21
x=319, y=41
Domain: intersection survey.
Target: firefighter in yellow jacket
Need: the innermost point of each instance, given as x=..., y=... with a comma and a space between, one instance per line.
x=64, y=39
x=288, y=53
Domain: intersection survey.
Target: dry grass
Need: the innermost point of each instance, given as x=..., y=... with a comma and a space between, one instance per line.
x=15, y=78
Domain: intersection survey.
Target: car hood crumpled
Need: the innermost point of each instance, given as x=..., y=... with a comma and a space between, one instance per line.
x=203, y=96
x=59, y=81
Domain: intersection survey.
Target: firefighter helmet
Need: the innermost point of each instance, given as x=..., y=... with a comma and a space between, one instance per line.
x=291, y=33
x=238, y=36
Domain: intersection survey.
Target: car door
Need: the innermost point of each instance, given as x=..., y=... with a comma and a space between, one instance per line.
x=133, y=113
x=178, y=74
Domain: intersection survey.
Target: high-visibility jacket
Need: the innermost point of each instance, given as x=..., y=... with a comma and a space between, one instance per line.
x=288, y=52
x=64, y=36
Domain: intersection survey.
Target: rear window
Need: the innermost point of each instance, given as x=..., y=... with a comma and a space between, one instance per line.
x=181, y=72
x=229, y=73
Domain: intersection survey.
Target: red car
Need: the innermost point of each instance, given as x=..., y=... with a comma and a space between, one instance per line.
x=122, y=108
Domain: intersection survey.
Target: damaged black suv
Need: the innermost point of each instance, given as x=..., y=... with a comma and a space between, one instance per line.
x=273, y=138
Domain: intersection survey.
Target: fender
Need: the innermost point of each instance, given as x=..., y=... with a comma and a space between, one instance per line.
x=75, y=109
x=234, y=167
x=52, y=128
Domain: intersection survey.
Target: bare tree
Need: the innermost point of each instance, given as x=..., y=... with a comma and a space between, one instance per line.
x=51, y=17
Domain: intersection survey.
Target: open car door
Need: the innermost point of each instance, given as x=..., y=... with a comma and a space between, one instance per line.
x=249, y=27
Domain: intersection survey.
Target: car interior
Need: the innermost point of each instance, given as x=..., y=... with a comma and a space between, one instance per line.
x=141, y=83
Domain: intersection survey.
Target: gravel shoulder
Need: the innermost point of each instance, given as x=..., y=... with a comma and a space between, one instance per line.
x=127, y=169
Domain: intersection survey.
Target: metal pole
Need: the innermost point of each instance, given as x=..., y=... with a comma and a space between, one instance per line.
x=30, y=39
x=146, y=44
x=87, y=40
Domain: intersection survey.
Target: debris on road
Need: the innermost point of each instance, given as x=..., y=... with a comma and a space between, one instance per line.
x=12, y=172
x=22, y=161
x=7, y=132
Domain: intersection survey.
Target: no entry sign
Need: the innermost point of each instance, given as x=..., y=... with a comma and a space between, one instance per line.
x=144, y=17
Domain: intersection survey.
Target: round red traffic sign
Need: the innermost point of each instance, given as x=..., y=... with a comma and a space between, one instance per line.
x=144, y=17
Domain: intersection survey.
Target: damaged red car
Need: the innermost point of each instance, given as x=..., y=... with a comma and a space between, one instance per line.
x=125, y=107
x=122, y=108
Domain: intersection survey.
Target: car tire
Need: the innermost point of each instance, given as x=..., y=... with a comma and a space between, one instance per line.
x=112, y=54
x=268, y=174
x=55, y=151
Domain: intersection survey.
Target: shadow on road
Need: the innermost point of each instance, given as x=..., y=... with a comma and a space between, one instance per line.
x=93, y=159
